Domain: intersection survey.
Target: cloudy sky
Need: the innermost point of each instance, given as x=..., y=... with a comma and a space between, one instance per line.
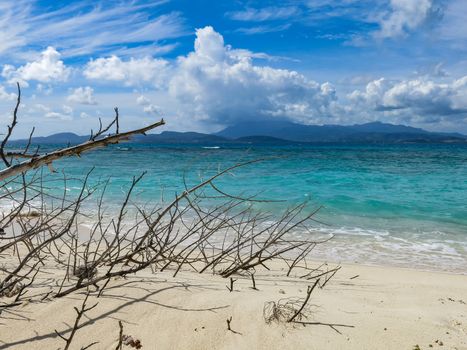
x=203, y=64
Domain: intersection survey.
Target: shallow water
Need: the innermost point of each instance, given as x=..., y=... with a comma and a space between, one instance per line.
x=399, y=204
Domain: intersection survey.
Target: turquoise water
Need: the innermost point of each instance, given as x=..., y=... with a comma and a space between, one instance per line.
x=400, y=204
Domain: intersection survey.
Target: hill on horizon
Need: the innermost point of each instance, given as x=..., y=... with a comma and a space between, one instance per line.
x=368, y=132
x=280, y=132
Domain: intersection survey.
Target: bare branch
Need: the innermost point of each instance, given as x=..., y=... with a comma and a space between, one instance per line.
x=77, y=150
x=79, y=313
x=10, y=129
x=308, y=294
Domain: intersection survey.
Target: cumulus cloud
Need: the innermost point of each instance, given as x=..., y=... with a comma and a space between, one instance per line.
x=142, y=100
x=405, y=16
x=219, y=84
x=65, y=113
x=4, y=95
x=83, y=95
x=48, y=68
x=215, y=83
x=44, y=89
x=425, y=99
x=148, y=107
x=130, y=72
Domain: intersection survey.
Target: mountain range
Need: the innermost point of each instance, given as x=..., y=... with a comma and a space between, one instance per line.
x=283, y=132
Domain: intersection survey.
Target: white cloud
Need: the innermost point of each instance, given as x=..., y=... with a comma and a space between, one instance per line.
x=67, y=109
x=152, y=109
x=264, y=14
x=47, y=68
x=142, y=100
x=58, y=115
x=454, y=23
x=405, y=16
x=83, y=95
x=39, y=109
x=83, y=28
x=148, y=107
x=4, y=95
x=264, y=29
x=215, y=83
x=131, y=72
x=417, y=98
x=219, y=85
x=46, y=90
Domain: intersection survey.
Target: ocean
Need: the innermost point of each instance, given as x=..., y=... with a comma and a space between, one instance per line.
x=402, y=205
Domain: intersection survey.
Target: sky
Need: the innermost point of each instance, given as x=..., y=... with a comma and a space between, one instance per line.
x=203, y=65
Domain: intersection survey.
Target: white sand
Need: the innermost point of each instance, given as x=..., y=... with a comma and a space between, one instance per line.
x=389, y=308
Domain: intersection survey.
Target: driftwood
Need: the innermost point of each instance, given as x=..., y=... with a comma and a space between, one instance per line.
x=226, y=237
x=37, y=160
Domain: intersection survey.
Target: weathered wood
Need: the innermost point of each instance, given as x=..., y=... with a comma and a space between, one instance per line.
x=77, y=150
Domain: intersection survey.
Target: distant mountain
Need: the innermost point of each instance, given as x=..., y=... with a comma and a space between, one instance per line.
x=375, y=132
x=168, y=137
x=385, y=128
x=262, y=140
x=180, y=137
x=63, y=137
x=281, y=132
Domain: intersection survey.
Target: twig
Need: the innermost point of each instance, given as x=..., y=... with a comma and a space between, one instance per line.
x=79, y=313
x=229, y=328
x=308, y=294
x=331, y=325
x=329, y=276
x=10, y=128
x=120, y=336
x=253, y=281
x=232, y=281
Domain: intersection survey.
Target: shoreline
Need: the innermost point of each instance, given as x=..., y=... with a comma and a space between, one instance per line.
x=392, y=266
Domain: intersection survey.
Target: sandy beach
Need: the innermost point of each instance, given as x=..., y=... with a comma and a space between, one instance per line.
x=371, y=308
x=233, y=175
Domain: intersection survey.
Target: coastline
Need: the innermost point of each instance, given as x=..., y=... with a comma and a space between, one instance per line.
x=386, y=307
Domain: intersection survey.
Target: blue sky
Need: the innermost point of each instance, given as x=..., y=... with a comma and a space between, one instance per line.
x=203, y=64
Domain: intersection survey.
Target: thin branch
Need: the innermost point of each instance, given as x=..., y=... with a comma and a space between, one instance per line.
x=308, y=294
x=79, y=313
x=73, y=151
x=10, y=128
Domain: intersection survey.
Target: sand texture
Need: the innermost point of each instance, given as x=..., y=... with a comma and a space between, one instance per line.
x=387, y=308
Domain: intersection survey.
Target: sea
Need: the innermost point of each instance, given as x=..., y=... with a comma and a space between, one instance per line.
x=399, y=205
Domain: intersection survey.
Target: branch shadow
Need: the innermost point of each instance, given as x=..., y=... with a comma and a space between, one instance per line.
x=109, y=314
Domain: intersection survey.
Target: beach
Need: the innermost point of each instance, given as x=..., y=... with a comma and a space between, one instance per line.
x=395, y=239
x=368, y=307
x=233, y=175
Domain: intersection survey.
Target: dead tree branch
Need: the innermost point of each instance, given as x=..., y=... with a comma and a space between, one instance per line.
x=79, y=313
x=10, y=129
x=77, y=150
x=308, y=294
